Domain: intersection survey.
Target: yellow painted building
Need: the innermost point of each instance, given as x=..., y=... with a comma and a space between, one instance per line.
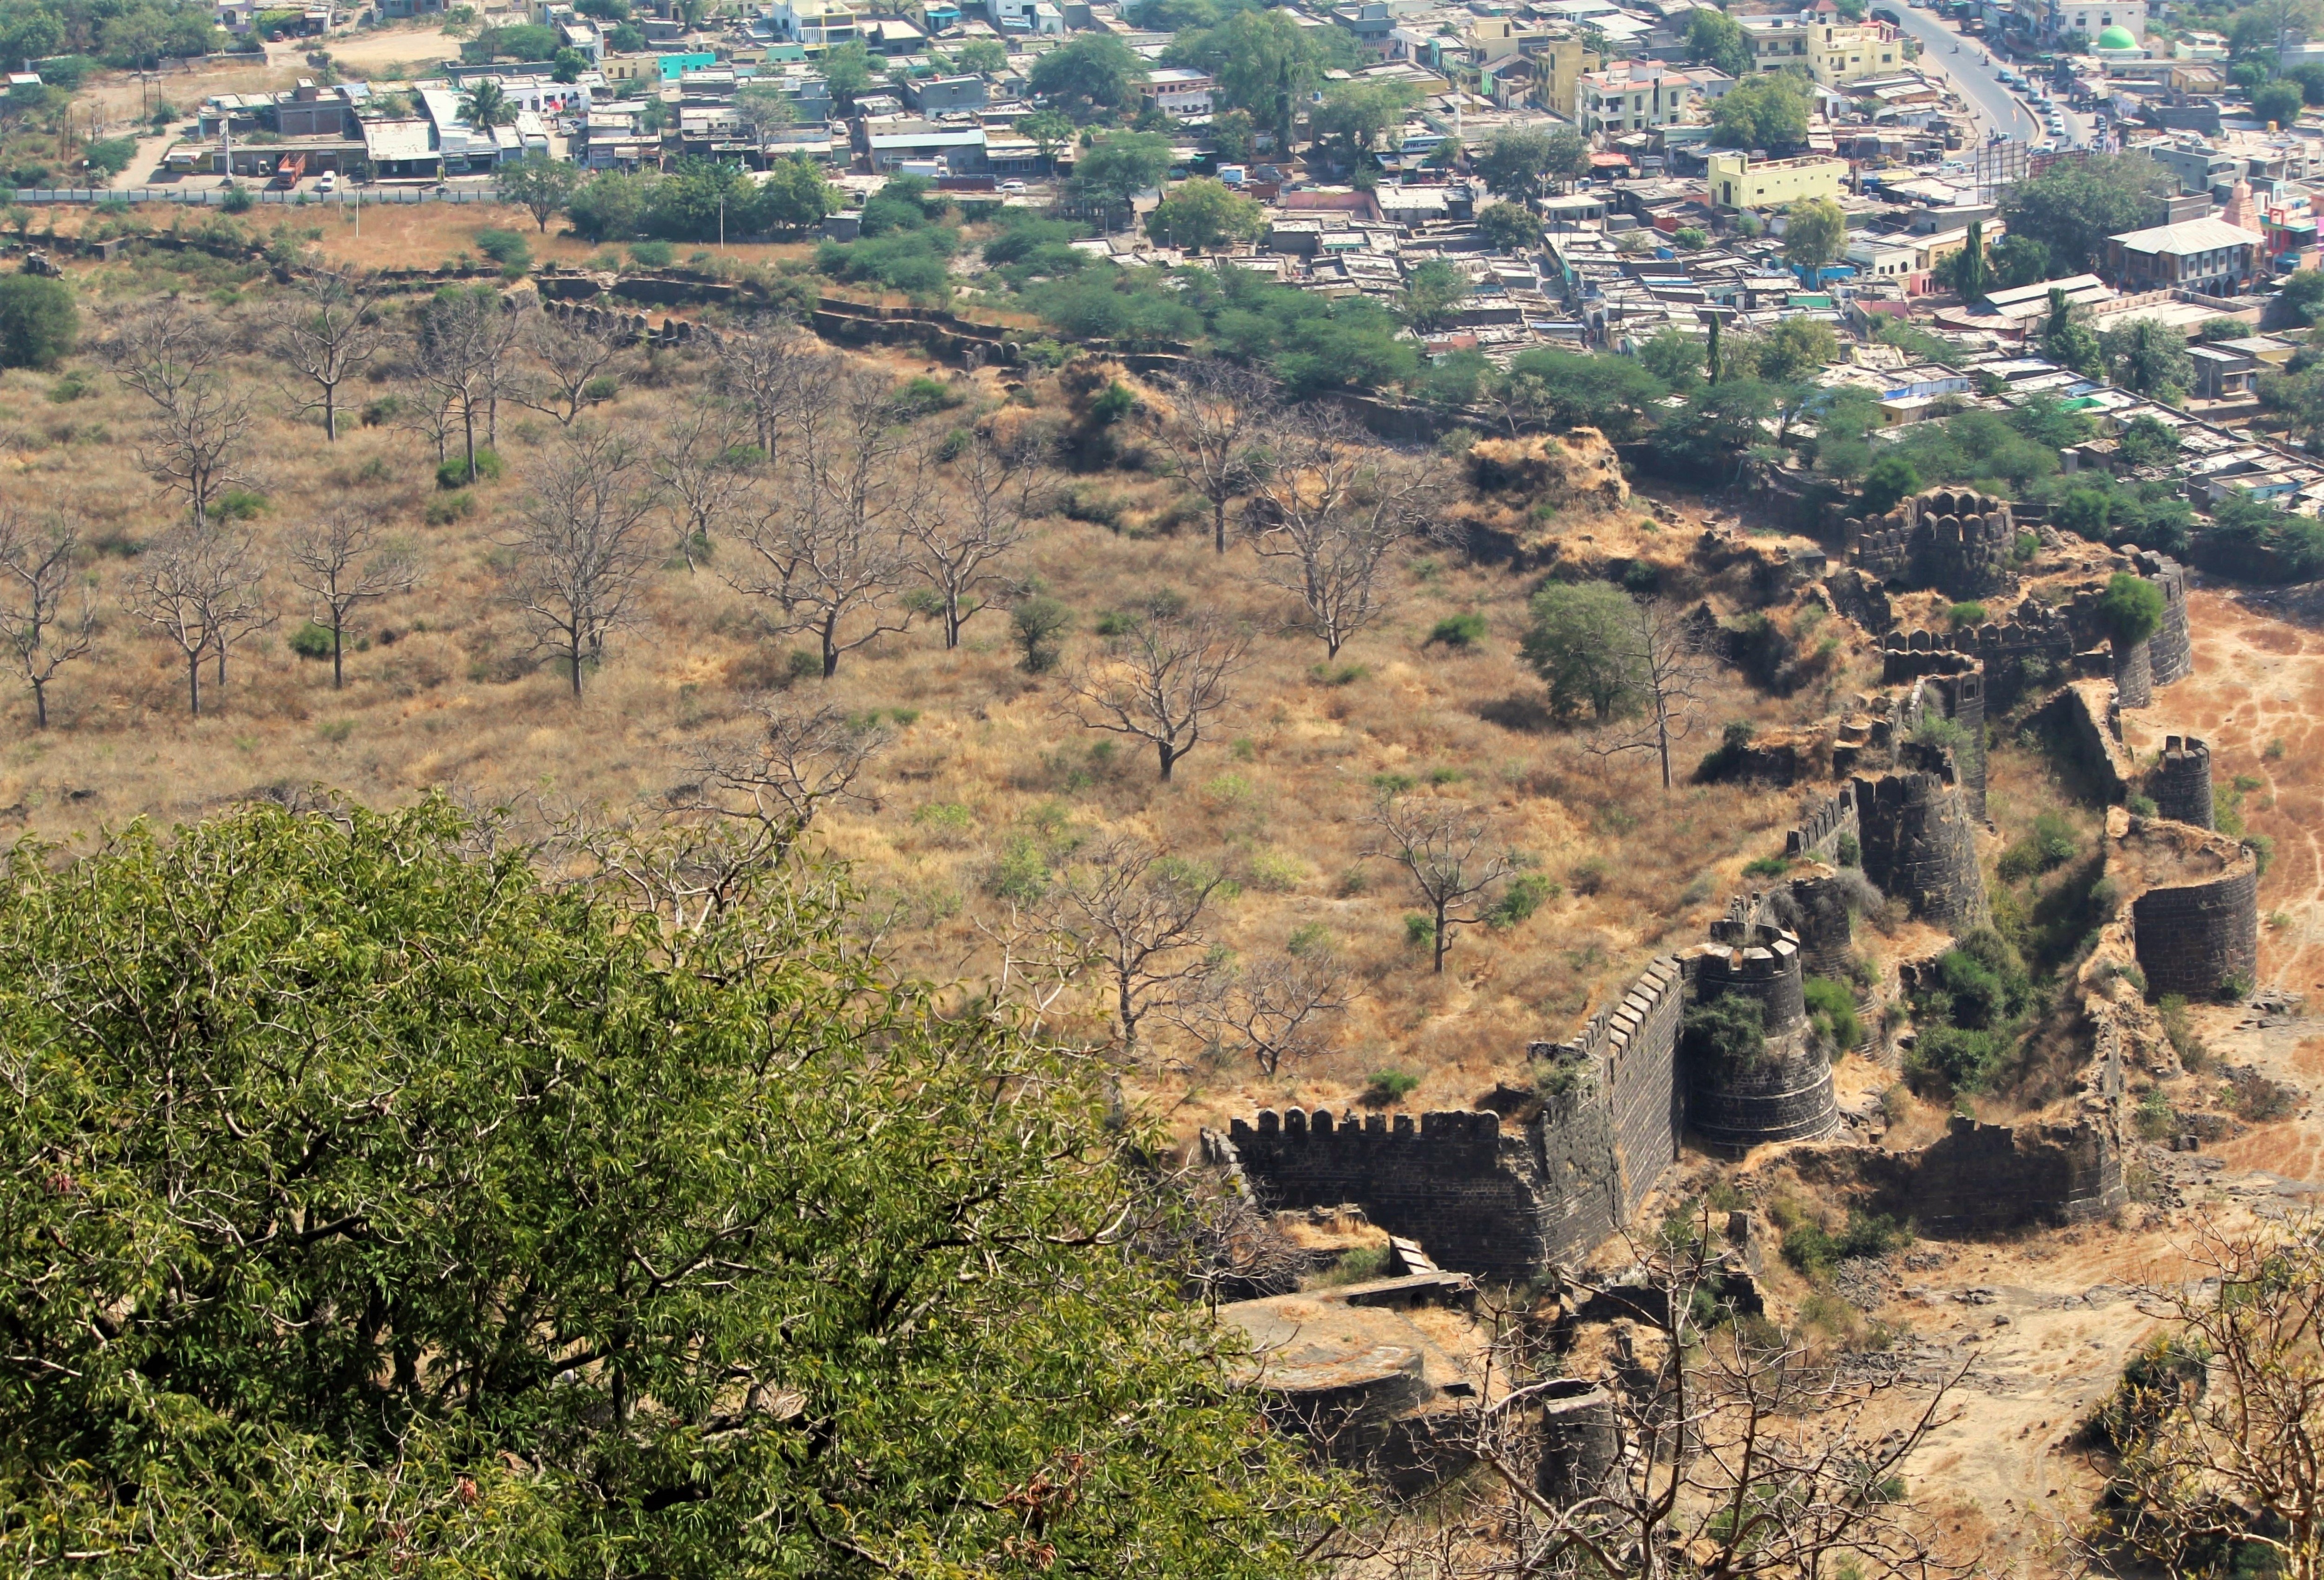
x=1737, y=183
x=1556, y=54
x=1833, y=53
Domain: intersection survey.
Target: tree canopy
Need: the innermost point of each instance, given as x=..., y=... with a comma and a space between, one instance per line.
x=1095, y=74
x=381, y=1208
x=2073, y=207
x=1202, y=214
x=1769, y=112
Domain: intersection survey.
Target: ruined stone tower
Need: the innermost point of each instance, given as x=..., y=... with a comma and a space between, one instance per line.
x=1957, y=541
x=1786, y=1095
x=1919, y=848
x=2183, y=784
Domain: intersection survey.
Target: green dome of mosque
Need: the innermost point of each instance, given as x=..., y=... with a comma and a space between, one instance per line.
x=2116, y=37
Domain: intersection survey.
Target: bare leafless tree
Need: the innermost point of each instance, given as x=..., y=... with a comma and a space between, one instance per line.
x=344, y=563
x=1163, y=681
x=327, y=329
x=197, y=448
x=1280, y=1007
x=765, y=367
x=707, y=465
x=960, y=541
x=1709, y=1444
x=1450, y=851
x=175, y=358
x=459, y=348
x=1665, y=654
x=163, y=347
x=1213, y=432
x=2217, y=1426
x=197, y=587
x=44, y=623
x=795, y=760
x=832, y=550
x=1136, y=914
x=1328, y=514
x=574, y=366
x=581, y=547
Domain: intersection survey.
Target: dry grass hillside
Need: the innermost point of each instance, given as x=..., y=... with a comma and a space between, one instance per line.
x=986, y=774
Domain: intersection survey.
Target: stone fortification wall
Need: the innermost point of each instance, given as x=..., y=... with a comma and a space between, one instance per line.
x=1501, y=1202
x=2182, y=783
x=1822, y=827
x=2194, y=911
x=1632, y=1049
x=1787, y=1094
x=1453, y=1181
x=2172, y=647
x=2134, y=674
x=1919, y=848
x=1987, y=1178
x=2197, y=938
x=1962, y=699
x=1826, y=931
x=1959, y=541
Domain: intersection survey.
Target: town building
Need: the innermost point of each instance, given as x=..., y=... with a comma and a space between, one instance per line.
x=2207, y=255
x=1737, y=181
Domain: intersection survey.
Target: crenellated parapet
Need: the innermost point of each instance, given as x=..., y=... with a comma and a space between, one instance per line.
x=1959, y=541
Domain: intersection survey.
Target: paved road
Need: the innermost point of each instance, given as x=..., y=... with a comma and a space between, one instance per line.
x=1992, y=103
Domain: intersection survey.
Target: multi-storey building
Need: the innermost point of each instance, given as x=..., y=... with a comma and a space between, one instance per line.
x=1633, y=95
x=1830, y=50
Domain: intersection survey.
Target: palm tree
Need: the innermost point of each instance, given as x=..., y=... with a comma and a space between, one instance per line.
x=487, y=104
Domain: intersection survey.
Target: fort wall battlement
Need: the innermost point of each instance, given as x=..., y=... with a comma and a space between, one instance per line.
x=2182, y=782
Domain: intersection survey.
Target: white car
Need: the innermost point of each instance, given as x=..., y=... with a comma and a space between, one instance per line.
x=1012, y=186
x=329, y=183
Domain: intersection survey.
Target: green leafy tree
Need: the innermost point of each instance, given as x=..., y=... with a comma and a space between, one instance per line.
x=1266, y=63
x=445, y=1218
x=1432, y=294
x=792, y=197
x=1890, y=479
x=1769, y=112
x=1795, y=349
x=1118, y=168
x=1717, y=39
x=980, y=56
x=39, y=323
x=1815, y=232
x=2149, y=356
x=1202, y=215
x=539, y=185
x=1579, y=639
x=2072, y=207
x=2068, y=341
x=848, y=72
x=2130, y=609
x=486, y=104
x=764, y=108
x=690, y=202
x=1509, y=227
x=1095, y=74
x=608, y=207
x=1564, y=389
x=1356, y=116
x=2019, y=260
x=1231, y=135
x=2278, y=101
x=2145, y=442
x=1515, y=163
x=1050, y=131
x=1674, y=357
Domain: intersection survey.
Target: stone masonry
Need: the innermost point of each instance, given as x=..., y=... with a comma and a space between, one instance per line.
x=1960, y=542
x=2182, y=783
